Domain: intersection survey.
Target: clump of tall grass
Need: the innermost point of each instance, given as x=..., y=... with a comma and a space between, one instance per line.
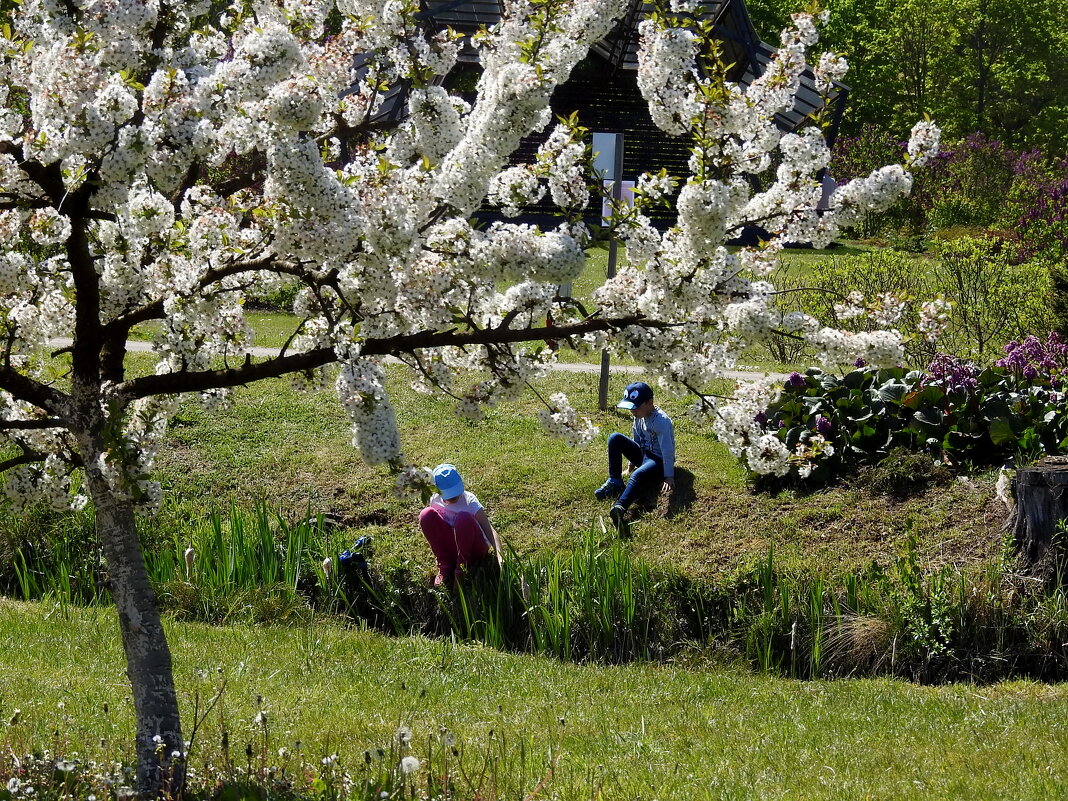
x=256, y=567
x=236, y=567
x=594, y=602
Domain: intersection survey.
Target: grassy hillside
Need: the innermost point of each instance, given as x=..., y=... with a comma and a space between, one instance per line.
x=635, y=732
x=294, y=451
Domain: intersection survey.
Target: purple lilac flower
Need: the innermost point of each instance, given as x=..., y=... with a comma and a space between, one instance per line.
x=859, y=362
x=952, y=373
x=795, y=380
x=761, y=418
x=1032, y=358
x=823, y=424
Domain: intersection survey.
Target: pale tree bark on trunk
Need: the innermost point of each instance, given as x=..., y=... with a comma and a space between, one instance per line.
x=1039, y=515
x=148, y=656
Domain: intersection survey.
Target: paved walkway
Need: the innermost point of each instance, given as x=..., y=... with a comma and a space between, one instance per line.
x=139, y=346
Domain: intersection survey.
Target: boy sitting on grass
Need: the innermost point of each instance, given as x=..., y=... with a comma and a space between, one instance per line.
x=650, y=451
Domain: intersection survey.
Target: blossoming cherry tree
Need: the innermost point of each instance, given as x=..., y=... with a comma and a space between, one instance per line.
x=162, y=161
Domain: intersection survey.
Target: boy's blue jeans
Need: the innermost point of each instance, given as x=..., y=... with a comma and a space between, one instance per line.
x=648, y=470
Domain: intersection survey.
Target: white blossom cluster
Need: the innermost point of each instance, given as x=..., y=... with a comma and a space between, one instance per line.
x=413, y=482
x=515, y=188
x=47, y=482
x=923, y=143
x=361, y=390
x=656, y=186
x=830, y=68
x=879, y=348
x=563, y=422
x=667, y=65
x=934, y=318
x=564, y=161
x=809, y=451
x=736, y=423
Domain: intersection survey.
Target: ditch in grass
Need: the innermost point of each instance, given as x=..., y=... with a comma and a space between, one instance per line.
x=597, y=602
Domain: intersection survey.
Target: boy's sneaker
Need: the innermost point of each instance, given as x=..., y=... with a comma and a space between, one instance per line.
x=619, y=517
x=612, y=488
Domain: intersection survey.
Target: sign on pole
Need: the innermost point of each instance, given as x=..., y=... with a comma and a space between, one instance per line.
x=608, y=165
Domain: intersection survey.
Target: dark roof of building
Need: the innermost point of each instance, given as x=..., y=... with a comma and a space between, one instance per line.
x=742, y=48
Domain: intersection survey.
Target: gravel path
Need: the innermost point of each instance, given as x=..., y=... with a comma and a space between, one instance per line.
x=566, y=367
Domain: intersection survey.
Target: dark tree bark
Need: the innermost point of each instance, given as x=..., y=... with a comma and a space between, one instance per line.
x=148, y=657
x=1041, y=493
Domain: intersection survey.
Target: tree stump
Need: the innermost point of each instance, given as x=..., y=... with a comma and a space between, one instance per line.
x=1041, y=493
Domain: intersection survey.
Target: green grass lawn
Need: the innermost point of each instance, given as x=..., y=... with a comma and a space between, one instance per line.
x=634, y=732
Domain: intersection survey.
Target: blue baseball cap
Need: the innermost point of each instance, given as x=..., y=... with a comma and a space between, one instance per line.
x=635, y=395
x=447, y=480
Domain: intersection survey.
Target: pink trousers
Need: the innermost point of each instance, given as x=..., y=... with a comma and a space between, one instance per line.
x=455, y=546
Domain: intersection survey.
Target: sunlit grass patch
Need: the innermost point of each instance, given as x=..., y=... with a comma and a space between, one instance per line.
x=627, y=732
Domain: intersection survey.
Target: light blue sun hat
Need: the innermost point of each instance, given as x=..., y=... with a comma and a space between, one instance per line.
x=447, y=480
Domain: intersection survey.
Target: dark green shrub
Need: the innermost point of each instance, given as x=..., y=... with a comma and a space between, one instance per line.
x=278, y=300
x=954, y=411
x=903, y=473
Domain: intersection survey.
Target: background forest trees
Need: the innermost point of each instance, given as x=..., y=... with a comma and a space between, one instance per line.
x=994, y=66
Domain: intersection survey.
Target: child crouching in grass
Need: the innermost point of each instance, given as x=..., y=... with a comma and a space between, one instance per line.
x=457, y=527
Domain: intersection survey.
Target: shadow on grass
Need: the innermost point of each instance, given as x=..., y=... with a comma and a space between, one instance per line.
x=672, y=504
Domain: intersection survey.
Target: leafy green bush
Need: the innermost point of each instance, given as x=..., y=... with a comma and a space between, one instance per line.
x=280, y=299
x=994, y=297
x=955, y=411
x=875, y=274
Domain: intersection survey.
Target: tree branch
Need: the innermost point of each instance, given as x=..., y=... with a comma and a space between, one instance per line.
x=175, y=383
x=52, y=401
x=28, y=457
x=32, y=425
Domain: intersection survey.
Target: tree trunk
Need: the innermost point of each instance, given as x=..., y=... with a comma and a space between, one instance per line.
x=1041, y=493
x=148, y=657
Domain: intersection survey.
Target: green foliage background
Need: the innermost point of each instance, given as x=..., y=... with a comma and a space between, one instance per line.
x=995, y=66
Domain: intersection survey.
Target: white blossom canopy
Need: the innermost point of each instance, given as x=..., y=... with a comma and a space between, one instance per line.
x=163, y=161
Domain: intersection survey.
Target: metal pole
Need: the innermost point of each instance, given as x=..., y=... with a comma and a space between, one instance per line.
x=617, y=194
